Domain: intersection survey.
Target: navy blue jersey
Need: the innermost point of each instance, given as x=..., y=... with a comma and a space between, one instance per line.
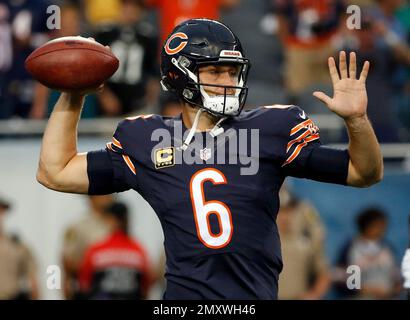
x=221, y=239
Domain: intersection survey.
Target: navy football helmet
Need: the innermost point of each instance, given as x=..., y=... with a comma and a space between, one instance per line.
x=199, y=42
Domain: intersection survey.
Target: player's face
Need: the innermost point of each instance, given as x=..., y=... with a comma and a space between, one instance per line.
x=220, y=75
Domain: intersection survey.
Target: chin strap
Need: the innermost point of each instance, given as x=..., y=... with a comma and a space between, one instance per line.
x=191, y=133
x=215, y=131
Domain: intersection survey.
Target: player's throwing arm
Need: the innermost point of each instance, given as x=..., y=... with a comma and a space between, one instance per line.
x=76, y=66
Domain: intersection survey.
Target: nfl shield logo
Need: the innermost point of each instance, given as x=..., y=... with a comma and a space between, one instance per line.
x=205, y=154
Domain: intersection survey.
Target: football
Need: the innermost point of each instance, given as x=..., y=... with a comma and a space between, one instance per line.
x=72, y=63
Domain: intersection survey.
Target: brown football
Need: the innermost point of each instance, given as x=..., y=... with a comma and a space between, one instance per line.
x=72, y=63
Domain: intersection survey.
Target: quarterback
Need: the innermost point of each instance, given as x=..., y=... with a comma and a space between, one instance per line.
x=221, y=239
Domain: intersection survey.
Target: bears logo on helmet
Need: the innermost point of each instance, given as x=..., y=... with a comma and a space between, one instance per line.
x=181, y=46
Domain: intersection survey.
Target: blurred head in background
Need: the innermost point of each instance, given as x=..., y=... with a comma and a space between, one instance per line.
x=366, y=35
x=70, y=20
x=99, y=203
x=288, y=204
x=4, y=207
x=372, y=223
x=116, y=217
x=131, y=11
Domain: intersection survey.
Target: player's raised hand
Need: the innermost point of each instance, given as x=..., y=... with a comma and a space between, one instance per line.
x=349, y=93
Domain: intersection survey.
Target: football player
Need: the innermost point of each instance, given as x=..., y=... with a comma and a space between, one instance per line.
x=221, y=239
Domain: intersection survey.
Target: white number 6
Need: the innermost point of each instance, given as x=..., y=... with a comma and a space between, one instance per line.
x=203, y=209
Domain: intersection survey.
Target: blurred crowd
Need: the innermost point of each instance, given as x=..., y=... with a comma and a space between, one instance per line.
x=101, y=259
x=308, y=274
x=121, y=24
x=308, y=32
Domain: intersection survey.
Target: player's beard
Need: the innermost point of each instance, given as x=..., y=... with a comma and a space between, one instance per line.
x=212, y=117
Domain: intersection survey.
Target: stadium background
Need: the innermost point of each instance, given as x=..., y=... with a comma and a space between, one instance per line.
x=39, y=216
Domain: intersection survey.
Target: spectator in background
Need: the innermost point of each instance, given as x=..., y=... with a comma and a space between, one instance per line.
x=173, y=12
x=381, y=41
x=135, y=85
x=44, y=98
x=78, y=237
x=393, y=35
x=118, y=267
x=403, y=14
x=392, y=31
x=306, y=273
x=23, y=28
x=380, y=276
x=18, y=273
x=306, y=29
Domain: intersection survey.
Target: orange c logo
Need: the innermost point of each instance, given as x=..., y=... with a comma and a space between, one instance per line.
x=181, y=46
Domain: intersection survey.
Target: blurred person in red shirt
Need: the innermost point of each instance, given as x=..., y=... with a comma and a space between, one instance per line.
x=173, y=12
x=118, y=267
x=307, y=29
x=78, y=237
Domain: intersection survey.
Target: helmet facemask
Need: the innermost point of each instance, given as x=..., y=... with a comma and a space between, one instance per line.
x=217, y=104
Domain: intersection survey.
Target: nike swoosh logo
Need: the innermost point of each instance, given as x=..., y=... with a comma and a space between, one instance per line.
x=303, y=115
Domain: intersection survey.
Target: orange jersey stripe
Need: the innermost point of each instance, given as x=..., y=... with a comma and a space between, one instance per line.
x=312, y=137
x=300, y=126
x=116, y=143
x=109, y=146
x=297, y=150
x=298, y=139
x=294, y=154
x=129, y=163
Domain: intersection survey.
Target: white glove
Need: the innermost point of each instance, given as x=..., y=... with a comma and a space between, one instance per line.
x=405, y=269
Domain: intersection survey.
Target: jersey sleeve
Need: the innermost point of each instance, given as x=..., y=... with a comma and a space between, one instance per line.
x=306, y=157
x=111, y=169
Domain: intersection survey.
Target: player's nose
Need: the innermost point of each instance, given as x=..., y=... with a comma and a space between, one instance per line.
x=228, y=80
